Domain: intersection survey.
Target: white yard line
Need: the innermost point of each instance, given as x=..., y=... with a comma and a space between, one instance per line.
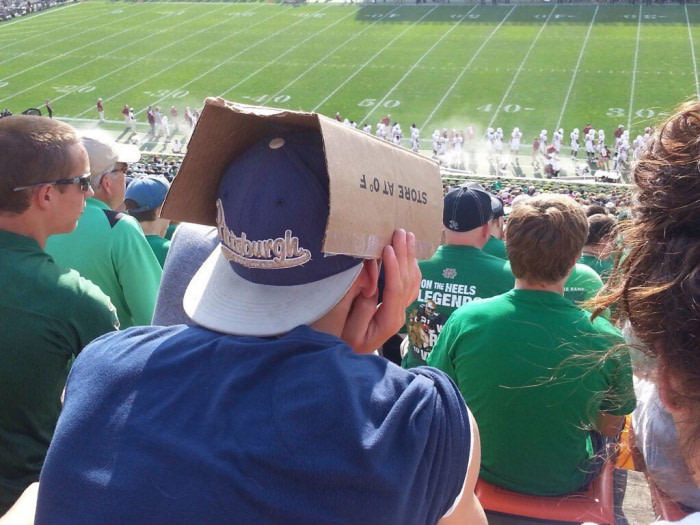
x=99, y=57
x=56, y=57
x=322, y=59
x=44, y=32
x=50, y=43
x=29, y=17
x=159, y=50
x=289, y=50
x=634, y=69
x=578, y=64
x=520, y=68
x=370, y=60
x=466, y=67
x=692, y=52
x=415, y=64
x=254, y=44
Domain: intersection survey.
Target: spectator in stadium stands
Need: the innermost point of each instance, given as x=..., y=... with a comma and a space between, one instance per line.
x=656, y=287
x=143, y=200
x=541, y=378
x=47, y=313
x=495, y=245
x=108, y=247
x=597, y=252
x=270, y=410
x=190, y=247
x=459, y=272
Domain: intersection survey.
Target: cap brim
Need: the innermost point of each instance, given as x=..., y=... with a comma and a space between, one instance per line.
x=219, y=299
x=127, y=152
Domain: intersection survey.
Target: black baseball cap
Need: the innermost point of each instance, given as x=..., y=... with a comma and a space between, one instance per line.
x=466, y=208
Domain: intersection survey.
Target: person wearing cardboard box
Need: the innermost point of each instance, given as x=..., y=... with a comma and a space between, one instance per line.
x=271, y=409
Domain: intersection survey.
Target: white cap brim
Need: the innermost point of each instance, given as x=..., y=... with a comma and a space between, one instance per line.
x=219, y=299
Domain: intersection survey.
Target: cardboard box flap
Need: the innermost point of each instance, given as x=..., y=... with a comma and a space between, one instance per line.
x=375, y=187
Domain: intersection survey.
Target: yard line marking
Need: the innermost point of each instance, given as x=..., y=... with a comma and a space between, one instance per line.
x=231, y=57
x=370, y=60
x=100, y=57
x=634, y=69
x=692, y=52
x=160, y=49
x=576, y=67
x=54, y=42
x=322, y=59
x=466, y=67
x=415, y=64
x=517, y=72
x=22, y=19
x=73, y=50
x=287, y=51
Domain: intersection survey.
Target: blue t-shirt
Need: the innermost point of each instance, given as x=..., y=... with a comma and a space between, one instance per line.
x=185, y=425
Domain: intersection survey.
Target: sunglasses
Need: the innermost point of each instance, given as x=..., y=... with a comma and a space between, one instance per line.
x=83, y=180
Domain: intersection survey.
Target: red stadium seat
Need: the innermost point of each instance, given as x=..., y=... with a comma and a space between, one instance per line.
x=595, y=505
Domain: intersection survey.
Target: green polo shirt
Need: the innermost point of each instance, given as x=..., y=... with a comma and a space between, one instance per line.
x=160, y=247
x=535, y=372
x=110, y=249
x=47, y=315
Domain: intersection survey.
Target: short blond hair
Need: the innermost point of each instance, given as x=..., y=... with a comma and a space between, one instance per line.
x=545, y=236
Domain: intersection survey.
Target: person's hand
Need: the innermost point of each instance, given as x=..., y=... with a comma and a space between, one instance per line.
x=369, y=325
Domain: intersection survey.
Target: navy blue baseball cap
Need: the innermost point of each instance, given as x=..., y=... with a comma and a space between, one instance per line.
x=466, y=208
x=269, y=273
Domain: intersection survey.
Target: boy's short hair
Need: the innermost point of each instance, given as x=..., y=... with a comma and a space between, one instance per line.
x=34, y=149
x=600, y=226
x=545, y=236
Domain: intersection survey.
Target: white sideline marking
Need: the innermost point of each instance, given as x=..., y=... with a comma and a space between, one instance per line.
x=128, y=64
x=56, y=57
x=692, y=52
x=232, y=56
x=634, y=69
x=44, y=32
x=99, y=57
x=370, y=60
x=415, y=64
x=465, y=68
x=322, y=59
x=578, y=63
x=29, y=17
x=520, y=68
x=261, y=68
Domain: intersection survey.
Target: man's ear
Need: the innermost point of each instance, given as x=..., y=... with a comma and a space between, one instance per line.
x=485, y=232
x=368, y=279
x=43, y=196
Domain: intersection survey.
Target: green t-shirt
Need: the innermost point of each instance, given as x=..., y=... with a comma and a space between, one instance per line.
x=496, y=247
x=110, y=249
x=160, y=247
x=603, y=267
x=582, y=284
x=47, y=315
x=454, y=276
x=532, y=369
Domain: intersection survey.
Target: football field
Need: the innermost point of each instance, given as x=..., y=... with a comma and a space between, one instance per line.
x=436, y=65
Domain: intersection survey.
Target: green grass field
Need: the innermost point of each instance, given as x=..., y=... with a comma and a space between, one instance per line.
x=535, y=66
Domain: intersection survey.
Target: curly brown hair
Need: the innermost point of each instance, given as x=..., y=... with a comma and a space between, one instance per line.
x=657, y=284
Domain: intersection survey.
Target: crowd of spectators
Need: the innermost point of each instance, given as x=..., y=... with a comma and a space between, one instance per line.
x=263, y=405
x=10, y=9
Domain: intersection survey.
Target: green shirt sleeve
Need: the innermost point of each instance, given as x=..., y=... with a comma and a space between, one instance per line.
x=440, y=356
x=95, y=314
x=138, y=270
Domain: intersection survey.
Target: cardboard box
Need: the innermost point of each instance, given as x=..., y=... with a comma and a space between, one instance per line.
x=375, y=187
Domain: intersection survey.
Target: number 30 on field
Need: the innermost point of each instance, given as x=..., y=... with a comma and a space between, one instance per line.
x=640, y=113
